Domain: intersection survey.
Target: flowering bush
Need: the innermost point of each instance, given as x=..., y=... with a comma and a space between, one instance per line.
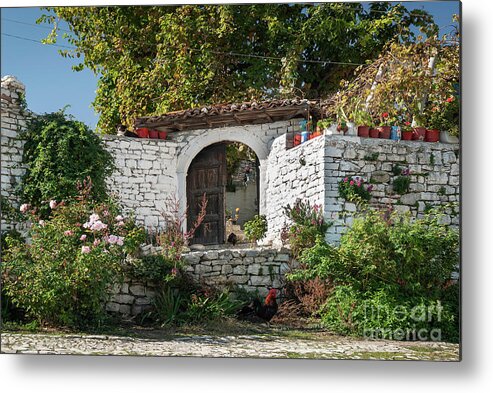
x=307, y=223
x=444, y=116
x=354, y=189
x=62, y=277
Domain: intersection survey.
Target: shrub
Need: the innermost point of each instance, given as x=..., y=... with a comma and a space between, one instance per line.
x=353, y=189
x=62, y=277
x=60, y=152
x=175, y=305
x=401, y=184
x=307, y=224
x=256, y=228
x=387, y=261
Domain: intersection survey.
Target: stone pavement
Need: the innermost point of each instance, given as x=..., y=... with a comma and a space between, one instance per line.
x=256, y=346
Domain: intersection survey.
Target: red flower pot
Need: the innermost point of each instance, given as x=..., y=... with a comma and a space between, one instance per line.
x=297, y=139
x=384, y=132
x=153, y=134
x=364, y=131
x=432, y=136
x=315, y=134
x=407, y=135
x=143, y=132
x=419, y=134
x=374, y=132
x=163, y=134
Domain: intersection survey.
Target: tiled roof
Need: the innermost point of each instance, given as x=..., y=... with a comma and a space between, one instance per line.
x=228, y=115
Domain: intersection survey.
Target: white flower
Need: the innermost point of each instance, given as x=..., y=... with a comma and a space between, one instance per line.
x=85, y=249
x=24, y=208
x=119, y=218
x=52, y=204
x=94, y=217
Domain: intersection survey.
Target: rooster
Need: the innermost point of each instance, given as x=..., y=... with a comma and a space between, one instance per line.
x=258, y=312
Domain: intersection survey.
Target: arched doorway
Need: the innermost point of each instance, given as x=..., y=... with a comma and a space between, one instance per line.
x=227, y=173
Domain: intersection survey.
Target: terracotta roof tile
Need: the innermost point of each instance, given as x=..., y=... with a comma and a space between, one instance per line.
x=221, y=115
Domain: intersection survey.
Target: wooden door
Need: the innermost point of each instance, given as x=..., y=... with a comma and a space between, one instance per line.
x=207, y=175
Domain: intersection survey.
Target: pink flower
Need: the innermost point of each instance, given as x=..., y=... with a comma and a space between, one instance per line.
x=85, y=250
x=106, y=213
x=96, y=242
x=113, y=239
x=345, y=180
x=351, y=183
x=94, y=217
x=119, y=218
x=53, y=204
x=83, y=238
x=98, y=225
x=68, y=233
x=174, y=271
x=24, y=208
x=120, y=224
x=370, y=187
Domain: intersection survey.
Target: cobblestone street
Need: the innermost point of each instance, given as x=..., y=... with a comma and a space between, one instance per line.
x=333, y=347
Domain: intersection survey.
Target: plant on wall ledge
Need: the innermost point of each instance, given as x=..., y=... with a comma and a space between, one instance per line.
x=353, y=189
x=256, y=228
x=401, y=183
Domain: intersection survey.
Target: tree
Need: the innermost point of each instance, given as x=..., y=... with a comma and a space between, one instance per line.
x=157, y=59
x=59, y=154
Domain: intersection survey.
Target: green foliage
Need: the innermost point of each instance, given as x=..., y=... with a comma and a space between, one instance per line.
x=154, y=268
x=62, y=276
x=175, y=306
x=387, y=261
x=353, y=189
x=203, y=308
x=371, y=157
x=401, y=84
x=168, y=304
x=9, y=212
x=307, y=224
x=256, y=228
x=400, y=184
x=59, y=153
x=157, y=59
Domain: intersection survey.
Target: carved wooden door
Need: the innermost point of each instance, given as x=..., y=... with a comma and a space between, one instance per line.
x=207, y=175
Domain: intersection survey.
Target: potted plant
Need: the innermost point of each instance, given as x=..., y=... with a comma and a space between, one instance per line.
x=364, y=122
x=153, y=134
x=384, y=128
x=434, y=125
x=419, y=123
x=342, y=122
x=450, y=120
x=143, y=132
x=162, y=134
x=407, y=131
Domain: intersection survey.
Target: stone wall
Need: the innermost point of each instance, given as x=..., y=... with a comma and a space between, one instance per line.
x=13, y=122
x=297, y=173
x=248, y=268
x=145, y=175
x=433, y=167
x=149, y=171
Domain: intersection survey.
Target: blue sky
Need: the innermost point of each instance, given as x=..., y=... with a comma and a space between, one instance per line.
x=50, y=82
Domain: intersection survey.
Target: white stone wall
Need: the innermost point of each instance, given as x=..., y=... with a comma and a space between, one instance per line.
x=250, y=269
x=149, y=171
x=434, y=176
x=297, y=173
x=145, y=176
x=13, y=122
